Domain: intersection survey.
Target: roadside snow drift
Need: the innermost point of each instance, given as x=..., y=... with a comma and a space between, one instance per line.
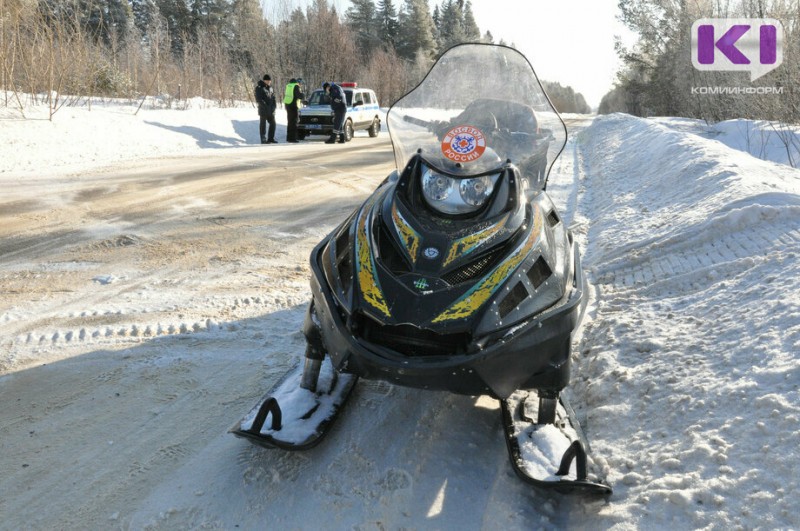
x=690, y=366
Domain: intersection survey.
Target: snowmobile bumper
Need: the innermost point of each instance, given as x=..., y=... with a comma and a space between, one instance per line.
x=536, y=355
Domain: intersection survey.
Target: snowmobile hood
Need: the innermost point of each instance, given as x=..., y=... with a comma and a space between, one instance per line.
x=398, y=262
x=479, y=107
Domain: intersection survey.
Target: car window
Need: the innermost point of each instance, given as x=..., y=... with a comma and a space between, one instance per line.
x=349, y=95
x=319, y=97
x=367, y=98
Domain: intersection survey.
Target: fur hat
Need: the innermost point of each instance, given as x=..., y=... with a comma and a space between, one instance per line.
x=267, y=78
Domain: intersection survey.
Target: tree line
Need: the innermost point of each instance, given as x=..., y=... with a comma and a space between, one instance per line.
x=658, y=78
x=216, y=49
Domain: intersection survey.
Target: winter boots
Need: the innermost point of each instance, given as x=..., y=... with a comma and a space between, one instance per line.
x=333, y=138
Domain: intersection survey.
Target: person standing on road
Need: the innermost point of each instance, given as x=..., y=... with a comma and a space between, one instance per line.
x=292, y=99
x=339, y=108
x=265, y=97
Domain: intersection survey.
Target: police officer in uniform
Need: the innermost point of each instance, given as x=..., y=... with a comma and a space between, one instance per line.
x=292, y=100
x=339, y=108
x=265, y=97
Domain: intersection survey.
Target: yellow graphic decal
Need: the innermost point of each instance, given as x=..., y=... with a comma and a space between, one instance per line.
x=409, y=236
x=367, y=279
x=478, y=295
x=469, y=243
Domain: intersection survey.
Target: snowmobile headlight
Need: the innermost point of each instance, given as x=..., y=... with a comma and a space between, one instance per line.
x=436, y=187
x=476, y=191
x=456, y=196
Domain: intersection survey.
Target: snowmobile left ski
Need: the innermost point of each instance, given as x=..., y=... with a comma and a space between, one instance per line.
x=457, y=274
x=293, y=417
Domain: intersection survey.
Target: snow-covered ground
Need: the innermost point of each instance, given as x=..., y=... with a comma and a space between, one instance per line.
x=775, y=141
x=153, y=272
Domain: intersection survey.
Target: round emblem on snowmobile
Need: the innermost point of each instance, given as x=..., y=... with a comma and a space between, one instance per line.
x=431, y=253
x=464, y=143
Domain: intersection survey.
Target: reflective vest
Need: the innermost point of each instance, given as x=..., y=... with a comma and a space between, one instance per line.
x=288, y=96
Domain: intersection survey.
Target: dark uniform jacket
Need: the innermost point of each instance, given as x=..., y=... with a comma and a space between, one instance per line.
x=265, y=97
x=338, y=98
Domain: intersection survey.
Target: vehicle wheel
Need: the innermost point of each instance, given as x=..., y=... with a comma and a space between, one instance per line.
x=375, y=128
x=348, y=131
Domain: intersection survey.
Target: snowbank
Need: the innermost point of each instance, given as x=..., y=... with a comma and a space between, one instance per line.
x=762, y=139
x=107, y=133
x=690, y=366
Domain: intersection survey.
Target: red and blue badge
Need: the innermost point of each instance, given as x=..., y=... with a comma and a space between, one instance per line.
x=464, y=143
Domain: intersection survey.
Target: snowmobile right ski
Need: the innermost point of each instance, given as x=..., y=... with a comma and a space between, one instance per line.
x=298, y=417
x=550, y=452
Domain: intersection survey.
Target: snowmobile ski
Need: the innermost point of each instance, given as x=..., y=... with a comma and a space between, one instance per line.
x=550, y=452
x=291, y=417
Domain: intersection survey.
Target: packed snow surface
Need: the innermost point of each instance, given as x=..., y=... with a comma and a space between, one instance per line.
x=154, y=278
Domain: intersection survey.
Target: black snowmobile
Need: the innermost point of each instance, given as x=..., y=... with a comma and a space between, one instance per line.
x=456, y=274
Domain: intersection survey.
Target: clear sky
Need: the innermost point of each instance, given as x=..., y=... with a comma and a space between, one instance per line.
x=568, y=41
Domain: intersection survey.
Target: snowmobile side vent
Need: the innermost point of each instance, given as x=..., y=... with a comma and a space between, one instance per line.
x=539, y=272
x=345, y=269
x=553, y=219
x=344, y=265
x=392, y=257
x=512, y=300
x=342, y=244
x=473, y=269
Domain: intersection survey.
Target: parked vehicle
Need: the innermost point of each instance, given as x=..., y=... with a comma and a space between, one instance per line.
x=363, y=113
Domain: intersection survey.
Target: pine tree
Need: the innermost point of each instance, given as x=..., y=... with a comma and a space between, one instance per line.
x=451, y=25
x=251, y=33
x=209, y=16
x=388, y=27
x=456, y=24
x=144, y=13
x=471, y=30
x=179, y=23
x=362, y=20
x=416, y=30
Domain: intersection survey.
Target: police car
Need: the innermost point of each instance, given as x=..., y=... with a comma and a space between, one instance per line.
x=363, y=113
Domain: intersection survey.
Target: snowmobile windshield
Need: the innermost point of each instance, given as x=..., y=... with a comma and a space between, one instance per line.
x=480, y=106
